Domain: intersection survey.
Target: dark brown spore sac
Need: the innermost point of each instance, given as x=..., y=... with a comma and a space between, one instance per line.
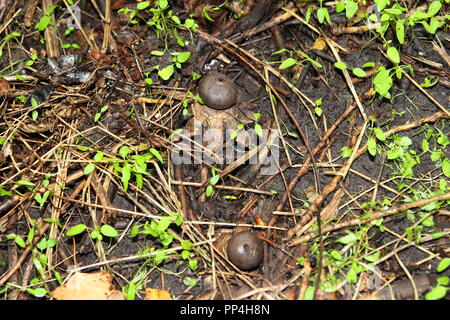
x=218, y=91
x=245, y=250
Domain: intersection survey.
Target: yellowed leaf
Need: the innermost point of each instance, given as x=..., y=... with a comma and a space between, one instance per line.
x=157, y=294
x=88, y=286
x=319, y=44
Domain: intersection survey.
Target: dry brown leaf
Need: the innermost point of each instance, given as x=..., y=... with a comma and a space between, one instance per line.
x=331, y=209
x=4, y=87
x=157, y=294
x=88, y=286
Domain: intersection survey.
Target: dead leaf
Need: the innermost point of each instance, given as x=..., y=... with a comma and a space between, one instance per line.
x=88, y=286
x=319, y=44
x=4, y=87
x=331, y=209
x=157, y=294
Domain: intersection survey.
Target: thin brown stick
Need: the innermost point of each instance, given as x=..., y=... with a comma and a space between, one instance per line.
x=51, y=40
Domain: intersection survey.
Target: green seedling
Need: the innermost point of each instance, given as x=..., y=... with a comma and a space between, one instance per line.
x=46, y=20
x=95, y=233
x=98, y=115
x=70, y=45
x=318, y=110
x=7, y=39
x=293, y=60
x=177, y=59
x=212, y=182
x=322, y=13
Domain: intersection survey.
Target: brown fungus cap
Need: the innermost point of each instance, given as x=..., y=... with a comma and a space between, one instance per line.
x=245, y=250
x=218, y=91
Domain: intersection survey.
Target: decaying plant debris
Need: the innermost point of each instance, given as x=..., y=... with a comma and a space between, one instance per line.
x=99, y=97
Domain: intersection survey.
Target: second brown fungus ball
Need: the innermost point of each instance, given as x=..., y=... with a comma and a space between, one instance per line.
x=218, y=91
x=245, y=250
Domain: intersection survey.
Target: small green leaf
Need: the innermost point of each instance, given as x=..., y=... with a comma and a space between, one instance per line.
x=436, y=293
x=352, y=275
x=214, y=180
x=190, y=282
x=164, y=223
x=109, y=231
x=346, y=152
x=383, y=82
x=163, y=4
x=209, y=191
x=318, y=111
x=289, y=62
x=258, y=129
x=336, y=255
x=166, y=72
x=157, y=53
x=189, y=23
x=434, y=8
x=340, y=65
x=359, y=72
x=185, y=254
x=99, y=156
x=379, y=134
x=443, y=265
x=44, y=22
x=369, y=65
x=443, y=281
x=19, y=241
x=187, y=245
x=372, y=146
x=124, y=151
x=425, y=145
x=42, y=245
x=393, y=55
x=126, y=175
x=193, y=264
x=349, y=238
x=96, y=235
x=143, y=5
x=79, y=228
x=89, y=169
x=25, y=183
x=4, y=192
x=373, y=257
x=156, y=154
x=134, y=231
x=400, y=30
x=350, y=8
x=38, y=292
x=183, y=56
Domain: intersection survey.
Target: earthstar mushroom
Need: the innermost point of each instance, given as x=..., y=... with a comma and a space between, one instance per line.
x=218, y=91
x=245, y=250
